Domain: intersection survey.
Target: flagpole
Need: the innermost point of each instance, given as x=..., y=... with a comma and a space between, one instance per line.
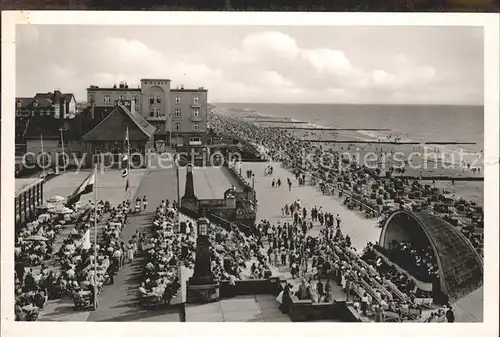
x=178, y=192
x=62, y=147
x=95, y=237
x=128, y=168
x=43, y=154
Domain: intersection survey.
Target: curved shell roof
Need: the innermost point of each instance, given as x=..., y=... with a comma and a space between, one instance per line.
x=461, y=268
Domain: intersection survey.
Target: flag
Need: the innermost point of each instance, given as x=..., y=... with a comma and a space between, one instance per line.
x=86, y=187
x=85, y=241
x=127, y=186
x=125, y=173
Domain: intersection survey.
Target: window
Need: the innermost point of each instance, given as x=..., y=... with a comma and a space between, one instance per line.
x=121, y=97
x=177, y=126
x=157, y=112
x=195, y=139
x=151, y=100
x=196, y=126
x=196, y=99
x=91, y=98
x=177, y=100
x=136, y=99
x=151, y=112
x=158, y=100
x=203, y=229
x=196, y=112
x=177, y=112
x=107, y=99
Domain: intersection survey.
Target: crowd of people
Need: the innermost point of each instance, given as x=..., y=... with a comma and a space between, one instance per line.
x=419, y=261
x=78, y=268
x=236, y=255
x=166, y=247
x=376, y=288
x=33, y=248
x=367, y=189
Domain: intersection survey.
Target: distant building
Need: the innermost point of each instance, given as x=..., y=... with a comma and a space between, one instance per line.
x=108, y=136
x=90, y=134
x=178, y=115
x=52, y=104
x=48, y=106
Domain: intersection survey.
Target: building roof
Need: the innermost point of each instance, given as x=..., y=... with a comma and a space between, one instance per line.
x=113, y=89
x=189, y=90
x=101, y=131
x=26, y=101
x=24, y=184
x=155, y=79
x=461, y=268
x=46, y=126
x=45, y=100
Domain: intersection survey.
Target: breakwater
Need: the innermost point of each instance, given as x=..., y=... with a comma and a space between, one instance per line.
x=386, y=142
x=435, y=178
x=325, y=129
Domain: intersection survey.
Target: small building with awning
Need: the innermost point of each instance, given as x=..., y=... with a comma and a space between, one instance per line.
x=29, y=195
x=106, y=141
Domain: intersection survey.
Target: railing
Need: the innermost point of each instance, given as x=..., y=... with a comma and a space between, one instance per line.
x=224, y=223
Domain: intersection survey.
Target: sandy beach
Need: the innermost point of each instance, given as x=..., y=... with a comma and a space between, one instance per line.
x=417, y=160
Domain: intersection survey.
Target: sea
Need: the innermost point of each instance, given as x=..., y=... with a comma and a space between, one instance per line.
x=439, y=123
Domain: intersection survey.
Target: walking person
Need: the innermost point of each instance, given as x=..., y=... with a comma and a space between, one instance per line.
x=130, y=251
x=123, y=250
x=117, y=258
x=450, y=315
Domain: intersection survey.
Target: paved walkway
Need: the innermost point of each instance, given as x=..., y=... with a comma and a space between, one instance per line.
x=251, y=308
x=271, y=200
x=110, y=185
x=118, y=302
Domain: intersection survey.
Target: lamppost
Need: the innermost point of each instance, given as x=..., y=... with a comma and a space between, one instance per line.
x=202, y=287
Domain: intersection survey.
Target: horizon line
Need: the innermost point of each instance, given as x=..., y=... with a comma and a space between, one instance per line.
x=396, y=104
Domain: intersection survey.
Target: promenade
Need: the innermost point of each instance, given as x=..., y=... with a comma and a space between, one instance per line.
x=271, y=200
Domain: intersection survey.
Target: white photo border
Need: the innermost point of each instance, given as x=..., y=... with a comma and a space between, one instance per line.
x=490, y=23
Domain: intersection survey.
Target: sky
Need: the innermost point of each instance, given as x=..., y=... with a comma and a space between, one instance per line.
x=274, y=64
